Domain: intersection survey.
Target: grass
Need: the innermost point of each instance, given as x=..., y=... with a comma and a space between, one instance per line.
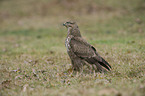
x=33, y=57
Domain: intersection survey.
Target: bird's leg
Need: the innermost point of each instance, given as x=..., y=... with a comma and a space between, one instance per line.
x=74, y=67
x=77, y=64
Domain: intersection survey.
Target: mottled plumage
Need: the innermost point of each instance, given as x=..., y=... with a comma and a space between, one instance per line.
x=80, y=51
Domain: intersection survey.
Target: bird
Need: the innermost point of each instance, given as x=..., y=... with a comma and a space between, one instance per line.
x=80, y=51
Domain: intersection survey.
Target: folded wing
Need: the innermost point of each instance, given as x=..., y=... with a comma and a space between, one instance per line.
x=85, y=51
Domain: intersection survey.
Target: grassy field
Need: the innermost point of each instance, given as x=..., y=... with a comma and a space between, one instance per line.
x=33, y=57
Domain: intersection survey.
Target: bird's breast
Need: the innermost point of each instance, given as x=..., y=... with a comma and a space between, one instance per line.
x=67, y=45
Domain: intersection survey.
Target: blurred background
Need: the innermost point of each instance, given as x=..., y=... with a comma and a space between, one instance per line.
x=28, y=20
x=17, y=14
x=24, y=23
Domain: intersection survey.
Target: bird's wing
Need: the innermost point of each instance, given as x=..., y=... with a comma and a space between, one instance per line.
x=85, y=51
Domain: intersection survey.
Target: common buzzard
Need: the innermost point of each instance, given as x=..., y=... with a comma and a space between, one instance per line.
x=80, y=51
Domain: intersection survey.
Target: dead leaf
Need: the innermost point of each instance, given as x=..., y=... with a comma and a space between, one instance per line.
x=6, y=83
x=17, y=70
x=70, y=70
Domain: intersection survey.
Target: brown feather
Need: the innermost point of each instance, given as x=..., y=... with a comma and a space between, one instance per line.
x=79, y=50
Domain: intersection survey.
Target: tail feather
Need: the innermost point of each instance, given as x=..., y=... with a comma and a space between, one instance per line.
x=105, y=64
x=99, y=62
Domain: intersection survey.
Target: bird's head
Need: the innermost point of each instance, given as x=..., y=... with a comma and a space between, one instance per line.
x=70, y=24
x=72, y=28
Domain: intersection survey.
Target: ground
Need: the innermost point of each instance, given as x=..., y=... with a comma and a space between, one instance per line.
x=33, y=57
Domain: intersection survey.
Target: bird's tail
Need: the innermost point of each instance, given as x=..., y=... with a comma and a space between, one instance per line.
x=103, y=65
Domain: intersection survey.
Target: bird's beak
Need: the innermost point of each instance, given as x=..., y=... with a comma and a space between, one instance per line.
x=64, y=24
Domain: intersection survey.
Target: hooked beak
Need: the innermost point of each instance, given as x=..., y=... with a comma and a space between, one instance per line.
x=64, y=24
